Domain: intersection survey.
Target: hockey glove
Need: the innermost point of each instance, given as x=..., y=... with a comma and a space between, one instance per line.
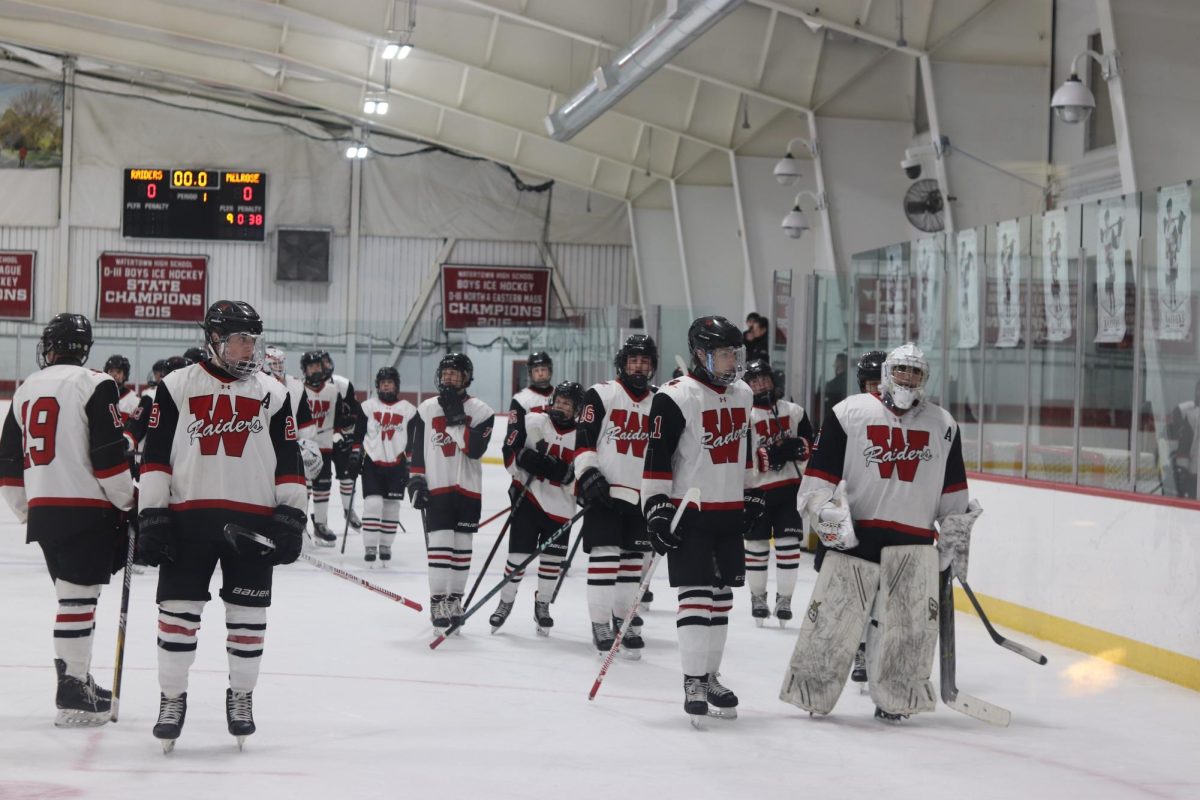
x=833, y=524
x=551, y=468
x=754, y=506
x=659, y=511
x=287, y=531
x=593, y=488
x=452, y=406
x=795, y=448
x=341, y=444
x=954, y=540
x=418, y=492
x=354, y=462
x=156, y=536
x=515, y=490
x=766, y=459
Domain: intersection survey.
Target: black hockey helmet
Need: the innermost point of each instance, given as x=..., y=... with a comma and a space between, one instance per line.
x=709, y=334
x=460, y=362
x=571, y=390
x=194, y=355
x=118, y=362
x=539, y=358
x=780, y=381
x=636, y=344
x=759, y=368
x=388, y=374
x=870, y=368
x=68, y=336
x=314, y=379
x=226, y=318
x=173, y=363
x=156, y=372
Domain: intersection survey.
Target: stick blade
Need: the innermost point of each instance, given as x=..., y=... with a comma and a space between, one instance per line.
x=1028, y=652
x=979, y=709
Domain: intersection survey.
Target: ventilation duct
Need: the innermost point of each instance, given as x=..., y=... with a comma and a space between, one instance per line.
x=682, y=23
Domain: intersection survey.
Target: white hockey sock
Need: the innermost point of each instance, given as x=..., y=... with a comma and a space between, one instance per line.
x=509, y=593
x=178, y=624
x=461, y=562
x=692, y=624
x=346, y=487
x=628, y=580
x=718, y=630
x=320, y=505
x=603, y=565
x=549, y=567
x=387, y=526
x=441, y=551
x=372, y=524
x=245, y=628
x=757, y=553
x=73, y=625
x=787, y=562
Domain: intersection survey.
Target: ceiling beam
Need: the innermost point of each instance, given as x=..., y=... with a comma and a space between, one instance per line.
x=765, y=50
x=850, y=30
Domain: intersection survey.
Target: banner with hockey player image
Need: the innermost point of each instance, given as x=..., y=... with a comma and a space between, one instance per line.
x=1110, y=270
x=1008, y=304
x=1174, y=233
x=929, y=290
x=967, y=264
x=1055, y=277
x=894, y=302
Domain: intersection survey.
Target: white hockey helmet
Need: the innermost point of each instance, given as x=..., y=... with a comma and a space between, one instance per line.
x=904, y=376
x=276, y=361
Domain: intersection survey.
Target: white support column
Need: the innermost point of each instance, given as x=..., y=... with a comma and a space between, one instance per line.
x=1116, y=94
x=687, y=284
x=414, y=313
x=356, y=165
x=637, y=261
x=63, y=267
x=750, y=302
x=935, y=133
x=819, y=177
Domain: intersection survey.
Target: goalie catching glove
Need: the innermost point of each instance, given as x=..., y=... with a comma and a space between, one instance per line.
x=313, y=460
x=829, y=515
x=954, y=539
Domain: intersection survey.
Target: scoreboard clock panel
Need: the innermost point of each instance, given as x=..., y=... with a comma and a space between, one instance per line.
x=186, y=203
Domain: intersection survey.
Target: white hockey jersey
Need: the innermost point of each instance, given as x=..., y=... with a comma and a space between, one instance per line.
x=217, y=444
x=127, y=402
x=527, y=401
x=613, y=433
x=434, y=453
x=769, y=426
x=386, y=437
x=555, y=499
x=61, y=449
x=699, y=437
x=322, y=408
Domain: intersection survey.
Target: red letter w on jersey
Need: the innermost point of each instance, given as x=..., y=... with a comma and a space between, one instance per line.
x=388, y=423
x=218, y=424
x=724, y=429
x=629, y=429
x=891, y=452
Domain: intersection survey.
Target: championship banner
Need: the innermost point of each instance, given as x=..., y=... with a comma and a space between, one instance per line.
x=967, y=263
x=929, y=291
x=1008, y=303
x=1110, y=270
x=1174, y=261
x=149, y=287
x=895, y=296
x=1055, y=278
x=489, y=297
x=16, y=284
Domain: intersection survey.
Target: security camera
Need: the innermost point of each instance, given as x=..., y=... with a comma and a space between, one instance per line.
x=911, y=166
x=1073, y=102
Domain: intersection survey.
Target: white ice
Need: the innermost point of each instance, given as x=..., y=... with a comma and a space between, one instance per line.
x=353, y=703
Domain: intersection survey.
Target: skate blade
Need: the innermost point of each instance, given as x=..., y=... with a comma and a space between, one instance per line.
x=783, y=623
x=241, y=740
x=495, y=628
x=758, y=621
x=629, y=655
x=543, y=631
x=697, y=721
x=168, y=745
x=73, y=718
x=727, y=714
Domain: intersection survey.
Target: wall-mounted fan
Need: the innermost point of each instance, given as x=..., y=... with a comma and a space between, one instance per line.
x=924, y=206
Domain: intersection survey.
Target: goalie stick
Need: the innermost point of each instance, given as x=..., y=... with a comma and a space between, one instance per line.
x=233, y=532
x=1008, y=644
x=951, y=696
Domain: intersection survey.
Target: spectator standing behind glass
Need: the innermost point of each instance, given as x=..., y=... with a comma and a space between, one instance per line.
x=835, y=387
x=1184, y=428
x=755, y=336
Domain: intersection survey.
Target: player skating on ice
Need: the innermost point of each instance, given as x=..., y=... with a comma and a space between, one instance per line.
x=331, y=408
x=221, y=449
x=699, y=437
x=383, y=431
x=534, y=397
x=448, y=437
x=885, y=468
x=544, y=465
x=63, y=472
x=347, y=450
x=780, y=434
x=613, y=432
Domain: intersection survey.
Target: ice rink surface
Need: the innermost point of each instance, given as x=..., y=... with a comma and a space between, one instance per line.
x=353, y=703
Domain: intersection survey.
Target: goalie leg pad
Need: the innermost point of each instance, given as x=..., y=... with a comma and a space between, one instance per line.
x=900, y=648
x=830, y=632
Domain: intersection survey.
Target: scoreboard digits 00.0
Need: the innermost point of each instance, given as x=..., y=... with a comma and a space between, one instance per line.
x=183, y=203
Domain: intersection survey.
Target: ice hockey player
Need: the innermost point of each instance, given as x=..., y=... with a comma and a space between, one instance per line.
x=447, y=439
x=139, y=418
x=886, y=468
x=544, y=465
x=780, y=436
x=117, y=367
x=63, y=473
x=347, y=451
x=699, y=437
x=193, y=355
x=534, y=397
x=383, y=431
x=334, y=414
x=613, y=432
x=221, y=449
x=276, y=367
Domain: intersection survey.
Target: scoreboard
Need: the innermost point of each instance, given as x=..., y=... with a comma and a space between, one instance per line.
x=194, y=204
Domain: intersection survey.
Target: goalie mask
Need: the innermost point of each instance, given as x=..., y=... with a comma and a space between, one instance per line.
x=903, y=377
x=233, y=336
x=718, y=352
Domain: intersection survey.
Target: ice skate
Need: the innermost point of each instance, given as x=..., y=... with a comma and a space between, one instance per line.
x=239, y=714
x=352, y=518
x=321, y=535
x=541, y=615
x=81, y=703
x=695, y=700
x=370, y=554
x=859, y=672
x=635, y=625
x=439, y=612
x=171, y=713
x=602, y=637
x=758, y=608
x=783, y=609
x=889, y=717
x=722, y=702
x=456, y=612
x=500, y=615
x=647, y=598
x=631, y=643
x=385, y=553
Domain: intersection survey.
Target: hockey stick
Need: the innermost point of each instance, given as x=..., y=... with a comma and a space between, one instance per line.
x=346, y=530
x=1008, y=644
x=496, y=546
x=690, y=497
x=233, y=531
x=566, y=566
x=119, y=665
x=679, y=362
x=951, y=696
x=520, y=568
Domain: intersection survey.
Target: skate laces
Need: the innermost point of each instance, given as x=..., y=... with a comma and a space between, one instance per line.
x=715, y=687
x=241, y=706
x=171, y=710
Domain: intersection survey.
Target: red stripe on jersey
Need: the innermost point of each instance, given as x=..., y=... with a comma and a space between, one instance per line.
x=779, y=484
x=151, y=466
x=76, y=617
x=225, y=505
x=90, y=502
x=289, y=479
x=955, y=487
x=244, y=639
x=656, y=476
x=895, y=526
x=825, y=476
x=12, y=481
x=731, y=505
x=111, y=471
x=179, y=630
x=398, y=462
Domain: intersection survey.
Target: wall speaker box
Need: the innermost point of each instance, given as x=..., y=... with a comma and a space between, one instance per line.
x=302, y=254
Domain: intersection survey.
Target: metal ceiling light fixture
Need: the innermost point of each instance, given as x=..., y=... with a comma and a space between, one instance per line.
x=1073, y=102
x=787, y=171
x=398, y=45
x=682, y=22
x=796, y=223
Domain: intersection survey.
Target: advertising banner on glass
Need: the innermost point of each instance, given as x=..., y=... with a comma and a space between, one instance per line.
x=16, y=284
x=929, y=290
x=152, y=287
x=967, y=264
x=1174, y=231
x=490, y=297
x=895, y=296
x=1054, y=274
x=1008, y=303
x=1110, y=270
